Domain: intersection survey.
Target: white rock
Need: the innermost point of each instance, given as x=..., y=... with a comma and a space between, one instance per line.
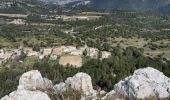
x=59, y=88
x=47, y=83
x=144, y=83
x=33, y=80
x=22, y=94
x=161, y=91
x=81, y=82
x=30, y=85
x=108, y=95
x=83, y=98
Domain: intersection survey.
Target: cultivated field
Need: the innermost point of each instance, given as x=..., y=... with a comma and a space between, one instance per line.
x=13, y=15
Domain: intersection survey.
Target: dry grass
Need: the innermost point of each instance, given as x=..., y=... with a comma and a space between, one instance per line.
x=75, y=61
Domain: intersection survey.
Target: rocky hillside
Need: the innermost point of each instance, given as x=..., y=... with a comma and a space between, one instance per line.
x=22, y=6
x=71, y=3
x=137, y=5
x=147, y=83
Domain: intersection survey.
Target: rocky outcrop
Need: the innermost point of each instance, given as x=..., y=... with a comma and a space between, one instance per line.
x=145, y=83
x=81, y=82
x=31, y=85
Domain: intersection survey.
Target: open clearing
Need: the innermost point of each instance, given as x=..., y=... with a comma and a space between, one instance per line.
x=75, y=61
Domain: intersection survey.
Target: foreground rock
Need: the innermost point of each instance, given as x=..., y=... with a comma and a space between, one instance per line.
x=145, y=83
x=31, y=85
x=110, y=95
x=33, y=80
x=22, y=94
x=80, y=83
x=60, y=88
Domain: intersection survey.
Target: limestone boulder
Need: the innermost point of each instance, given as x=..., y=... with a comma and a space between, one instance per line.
x=81, y=82
x=144, y=83
x=33, y=80
x=31, y=87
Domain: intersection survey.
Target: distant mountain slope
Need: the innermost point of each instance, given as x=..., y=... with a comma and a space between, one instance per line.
x=21, y=6
x=40, y=5
x=165, y=9
x=139, y=5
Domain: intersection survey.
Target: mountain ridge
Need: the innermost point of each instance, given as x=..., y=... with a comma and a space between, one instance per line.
x=135, y=5
x=161, y=6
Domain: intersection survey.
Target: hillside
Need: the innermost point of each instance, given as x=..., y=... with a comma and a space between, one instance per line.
x=138, y=5
x=165, y=9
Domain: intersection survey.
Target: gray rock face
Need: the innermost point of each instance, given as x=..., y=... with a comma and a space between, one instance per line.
x=144, y=83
